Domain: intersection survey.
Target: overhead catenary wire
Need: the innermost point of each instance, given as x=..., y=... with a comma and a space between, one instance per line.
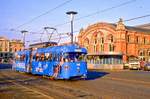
x=33, y=19
x=148, y=15
x=107, y=9
x=127, y=20
x=98, y=12
x=80, y=18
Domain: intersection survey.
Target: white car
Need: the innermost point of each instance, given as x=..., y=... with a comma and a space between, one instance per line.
x=134, y=64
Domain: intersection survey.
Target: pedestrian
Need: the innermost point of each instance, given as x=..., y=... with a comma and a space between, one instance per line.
x=142, y=63
x=57, y=69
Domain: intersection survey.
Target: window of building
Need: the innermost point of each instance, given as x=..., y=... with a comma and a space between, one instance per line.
x=102, y=40
x=94, y=48
x=111, y=39
x=137, y=39
x=149, y=53
x=0, y=48
x=111, y=47
x=87, y=41
x=5, y=49
x=10, y=49
x=95, y=41
x=102, y=47
x=144, y=40
x=128, y=38
x=141, y=54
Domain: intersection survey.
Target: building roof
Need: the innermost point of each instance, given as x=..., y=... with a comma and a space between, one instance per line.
x=128, y=28
x=133, y=28
x=145, y=26
x=3, y=38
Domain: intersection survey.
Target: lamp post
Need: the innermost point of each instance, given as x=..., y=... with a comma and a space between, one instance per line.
x=71, y=13
x=24, y=34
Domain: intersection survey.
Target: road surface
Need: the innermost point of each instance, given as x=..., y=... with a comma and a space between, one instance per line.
x=123, y=84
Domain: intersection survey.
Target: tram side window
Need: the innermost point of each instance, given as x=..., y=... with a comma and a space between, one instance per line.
x=37, y=57
x=17, y=57
x=56, y=56
x=42, y=56
x=46, y=56
x=50, y=57
x=34, y=58
x=21, y=57
x=74, y=57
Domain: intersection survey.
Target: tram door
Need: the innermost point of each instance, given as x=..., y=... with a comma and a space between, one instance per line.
x=48, y=67
x=37, y=64
x=27, y=62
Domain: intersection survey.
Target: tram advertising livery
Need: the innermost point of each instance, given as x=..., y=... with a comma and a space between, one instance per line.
x=59, y=62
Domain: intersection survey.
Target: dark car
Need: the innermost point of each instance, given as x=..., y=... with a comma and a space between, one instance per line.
x=147, y=66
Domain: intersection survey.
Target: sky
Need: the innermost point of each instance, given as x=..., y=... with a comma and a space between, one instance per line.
x=14, y=13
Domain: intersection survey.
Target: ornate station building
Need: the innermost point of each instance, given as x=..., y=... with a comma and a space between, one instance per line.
x=110, y=45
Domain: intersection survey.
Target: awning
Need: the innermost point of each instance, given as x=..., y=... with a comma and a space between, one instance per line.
x=106, y=53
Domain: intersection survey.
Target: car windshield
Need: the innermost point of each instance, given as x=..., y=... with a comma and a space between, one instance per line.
x=74, y=57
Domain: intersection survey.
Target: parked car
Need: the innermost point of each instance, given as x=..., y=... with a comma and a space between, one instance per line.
x=147, y=66
x=134, y=64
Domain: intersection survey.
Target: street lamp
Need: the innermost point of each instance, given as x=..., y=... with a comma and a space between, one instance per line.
x=71, y=13
x=24, y=34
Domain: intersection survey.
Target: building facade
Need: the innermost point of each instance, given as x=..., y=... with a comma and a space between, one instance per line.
x=4, y=44
x=8, y=47
x=15, y=45
x=110, y=45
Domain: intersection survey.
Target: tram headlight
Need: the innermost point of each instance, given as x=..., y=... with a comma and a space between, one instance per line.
x=66, y=67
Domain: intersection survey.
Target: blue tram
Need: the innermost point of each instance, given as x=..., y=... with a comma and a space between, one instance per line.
x=60, y=62
x=22, y=60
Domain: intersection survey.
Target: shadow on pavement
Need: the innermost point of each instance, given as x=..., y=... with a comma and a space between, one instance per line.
x=5, y=66
x=91, y=75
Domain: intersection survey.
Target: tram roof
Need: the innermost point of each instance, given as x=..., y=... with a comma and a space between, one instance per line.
x=63, y=48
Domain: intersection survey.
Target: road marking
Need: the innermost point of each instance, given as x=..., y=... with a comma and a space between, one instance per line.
x=37, y=92
x=127, y=80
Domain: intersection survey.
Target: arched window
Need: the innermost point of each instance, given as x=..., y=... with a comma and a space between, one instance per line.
x=86, y=43
x=128, y=38
x=144, y=40
x=102, y=40
x=137, y=39
x=148, y=53
x=102, y=47
x=95, y=39
x=95, y=48
x=111, y=47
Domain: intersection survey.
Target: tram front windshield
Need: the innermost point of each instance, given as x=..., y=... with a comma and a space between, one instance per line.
x=74, y=57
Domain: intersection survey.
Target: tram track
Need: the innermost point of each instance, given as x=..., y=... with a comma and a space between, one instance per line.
x=26, y=88
x=129, y=81
x=41, y=86
x=106, y=87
